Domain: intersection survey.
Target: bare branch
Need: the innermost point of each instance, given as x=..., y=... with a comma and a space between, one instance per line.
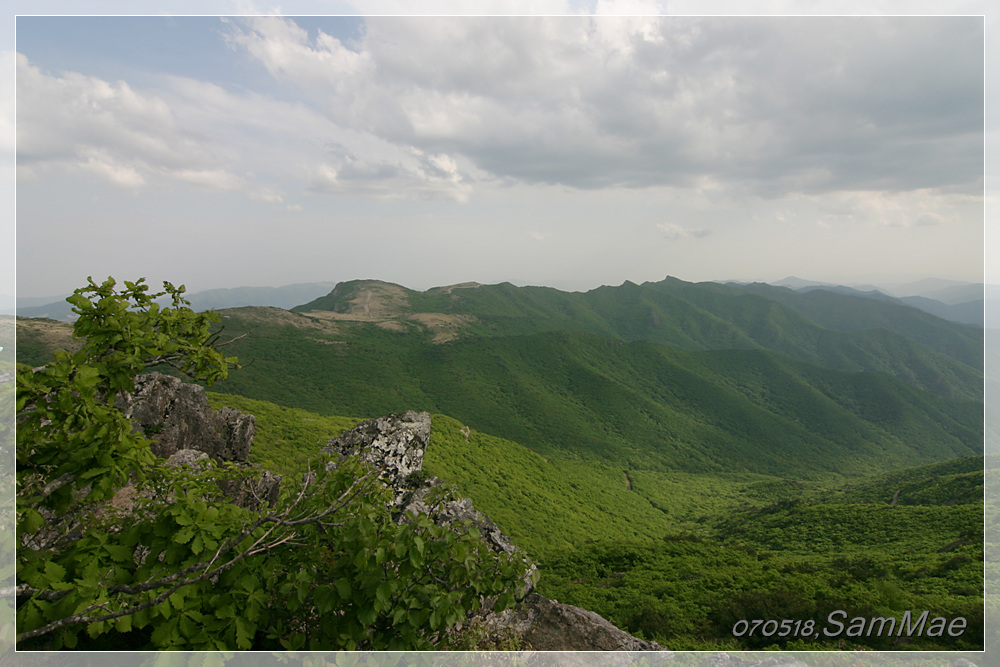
x=58, y=483
x=231, y=340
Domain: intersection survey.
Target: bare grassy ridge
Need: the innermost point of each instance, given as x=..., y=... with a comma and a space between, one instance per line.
x=37, y=338
x=388, y=306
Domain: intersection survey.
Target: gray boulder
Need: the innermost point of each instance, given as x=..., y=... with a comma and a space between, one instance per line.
x=187, y=457
x=394, y=444
x=175, y=415
x=541, y=624
x=183, y=429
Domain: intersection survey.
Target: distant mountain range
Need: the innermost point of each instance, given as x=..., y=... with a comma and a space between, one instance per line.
x=669, y=375
x=946, y=291
x=664, y=376
x=949, y=300
x=56, y=308
x=968, y=303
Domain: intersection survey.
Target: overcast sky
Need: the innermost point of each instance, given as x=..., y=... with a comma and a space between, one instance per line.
x=568, y=151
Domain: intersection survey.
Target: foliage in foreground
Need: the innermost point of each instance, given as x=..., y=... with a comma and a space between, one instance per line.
x=173, y=564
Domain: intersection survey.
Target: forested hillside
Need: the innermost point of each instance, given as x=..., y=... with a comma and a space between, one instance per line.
x=591, y=374
x=679, y=558
x=676, y=456
x=665, y=376
x=826, y=328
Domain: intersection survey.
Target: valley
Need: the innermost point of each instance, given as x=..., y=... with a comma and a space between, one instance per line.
x=675, y=456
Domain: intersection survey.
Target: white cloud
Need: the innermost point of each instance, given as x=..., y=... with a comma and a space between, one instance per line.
x=917, y=208
x=126, y=137
x=267, y=195
x=285, y=50
x=291, y=143
x=401, y=175
x=774, y=105
x=199, y=134
x=676, y=232
x=100, y=162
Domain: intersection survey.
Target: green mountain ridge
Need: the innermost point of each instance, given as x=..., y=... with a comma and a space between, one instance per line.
x=837, y=331
x=591, y=375
x=638, y=404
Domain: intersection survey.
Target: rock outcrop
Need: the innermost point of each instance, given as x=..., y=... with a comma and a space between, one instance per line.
x=176, y=418
x=541, y=624
x=183, y=429
x=395, y=445
x=175, y=415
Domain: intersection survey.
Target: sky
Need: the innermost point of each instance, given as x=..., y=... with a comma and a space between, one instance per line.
x=571, y=151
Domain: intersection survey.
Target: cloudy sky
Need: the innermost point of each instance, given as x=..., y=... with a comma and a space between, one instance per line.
x=570, y=151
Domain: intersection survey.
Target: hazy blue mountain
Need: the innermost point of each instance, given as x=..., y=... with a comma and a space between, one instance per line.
x=849, y=291
x=859, y=311
x=948, y=306
x=215, y=299
x=56, y=310
x=968, y=312
x=801, y=283
x=31, y=304
x=32, y=301
x=945, y=291
x=280, y=297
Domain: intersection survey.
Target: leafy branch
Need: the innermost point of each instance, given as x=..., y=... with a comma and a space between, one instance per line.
x=262, y=544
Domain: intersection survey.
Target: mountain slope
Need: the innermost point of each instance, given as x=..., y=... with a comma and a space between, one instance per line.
x=682, y=557
x=593, y=385
x=847, y=312
x=851, y=334
x=638, y=404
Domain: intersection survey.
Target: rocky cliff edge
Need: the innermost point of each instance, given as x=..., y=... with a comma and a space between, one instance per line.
x=395, y=445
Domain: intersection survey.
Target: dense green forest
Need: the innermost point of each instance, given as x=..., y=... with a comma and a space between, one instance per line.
x=676, y=457
x=833, y=330
x=679, y=557
x=631, y=402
